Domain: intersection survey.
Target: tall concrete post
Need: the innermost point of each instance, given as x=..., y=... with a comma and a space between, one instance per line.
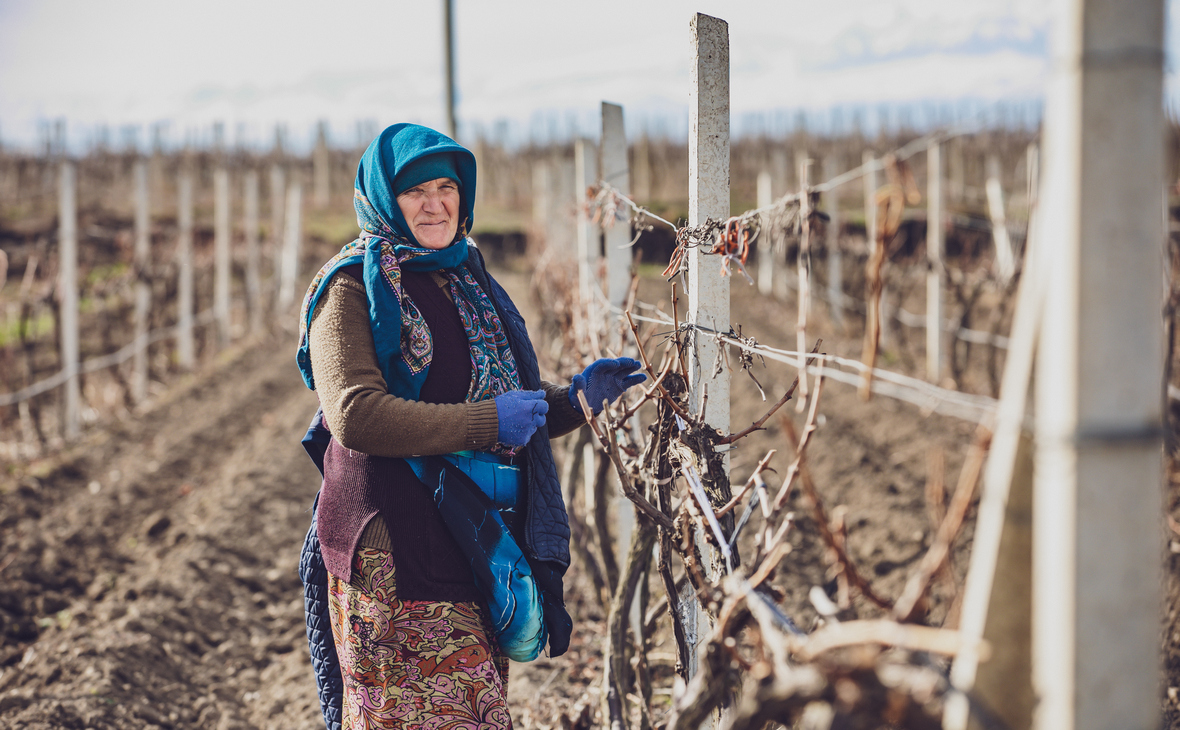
x=143, y=289
x=221, y=254
x=831, y=167
x=1097, y=497
x=184, y=256
x=67, y=234
x=934, y=255
x=616, y=172
x=585, y=175
x=708, y=197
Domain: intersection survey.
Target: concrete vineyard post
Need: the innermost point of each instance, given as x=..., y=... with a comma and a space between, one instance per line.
x=642, y=182
x=291, y=244
x=934, y=254
x=67, y=289
x=585, y=175
x=143, y=289
x=278, y=193
x=1005, y=257
x=803, y=267
x=615, y=172
x=766, y=257
x=542, y=199
x=184, y=284
x=780, y=182
x=1097, y=497
x=253, y=276
x=870, y=178
x=708, y=197
x=221, y=261
x=321, y=166
x=831, y=167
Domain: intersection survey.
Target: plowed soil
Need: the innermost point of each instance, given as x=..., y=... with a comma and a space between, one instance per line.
x=148, y=573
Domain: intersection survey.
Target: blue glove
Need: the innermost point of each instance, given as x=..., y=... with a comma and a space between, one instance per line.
x=521, y=413
x=605, y=380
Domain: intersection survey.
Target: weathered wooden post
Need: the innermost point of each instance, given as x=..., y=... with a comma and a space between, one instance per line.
x=766, y=254
x=708, y=197
x=143, y=288
x=67, y=288
x=291, y=245
x=831, y=168
x=184, y=254
x=278, y=193
x=253, y=276
x=934, y=252
x=321, y=166
x=1005, y=257
x=585, y=175
x=1097, y=499
x=221, y=263
x=615, y=172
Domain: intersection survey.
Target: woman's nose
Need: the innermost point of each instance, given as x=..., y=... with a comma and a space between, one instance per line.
x=433, y=202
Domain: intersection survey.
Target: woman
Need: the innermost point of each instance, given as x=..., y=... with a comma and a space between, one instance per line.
x=440, y=520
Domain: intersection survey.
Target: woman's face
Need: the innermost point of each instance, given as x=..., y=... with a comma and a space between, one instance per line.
x=432, y=212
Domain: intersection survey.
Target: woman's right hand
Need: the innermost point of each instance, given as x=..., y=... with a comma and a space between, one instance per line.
x=521, y=413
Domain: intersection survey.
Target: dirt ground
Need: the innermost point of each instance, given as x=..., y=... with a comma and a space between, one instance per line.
x=149, y=576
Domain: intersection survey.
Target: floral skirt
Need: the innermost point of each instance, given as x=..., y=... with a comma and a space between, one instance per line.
x=413, y=664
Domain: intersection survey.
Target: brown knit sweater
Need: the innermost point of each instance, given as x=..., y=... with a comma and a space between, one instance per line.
x=364, y=417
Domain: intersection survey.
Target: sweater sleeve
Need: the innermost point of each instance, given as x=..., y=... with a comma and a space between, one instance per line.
x=358, y=408
x=562, y=418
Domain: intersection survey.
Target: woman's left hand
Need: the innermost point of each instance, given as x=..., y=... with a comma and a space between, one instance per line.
x=605, y=380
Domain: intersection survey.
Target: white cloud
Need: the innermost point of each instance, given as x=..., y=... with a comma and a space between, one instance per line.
x=297, y=61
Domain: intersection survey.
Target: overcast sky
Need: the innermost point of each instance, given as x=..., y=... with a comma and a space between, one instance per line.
x=537, y=63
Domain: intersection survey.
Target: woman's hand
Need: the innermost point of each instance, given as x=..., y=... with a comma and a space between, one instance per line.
x=521, y=413
x=605, y=380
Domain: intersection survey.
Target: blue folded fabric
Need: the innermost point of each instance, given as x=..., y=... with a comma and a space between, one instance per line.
x=467, y=502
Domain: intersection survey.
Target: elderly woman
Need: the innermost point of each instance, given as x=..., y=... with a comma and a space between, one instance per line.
x=440, y=520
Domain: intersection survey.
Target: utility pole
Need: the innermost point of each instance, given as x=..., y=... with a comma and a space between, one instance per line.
x=449, y=61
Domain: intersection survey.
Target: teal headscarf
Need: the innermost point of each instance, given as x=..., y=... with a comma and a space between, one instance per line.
x=386, y=246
